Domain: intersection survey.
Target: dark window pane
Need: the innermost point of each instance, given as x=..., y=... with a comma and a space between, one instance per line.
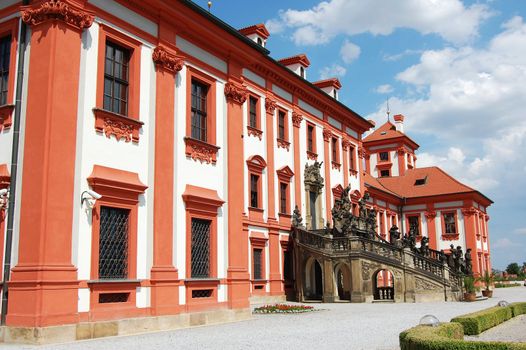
x=113, y=243
x=254, y=179
x=253, y=111
x=281, y=125
x=450, y=223
x=200, y=249
x=283, y=198
x=5, y=53
x=334, y=150
x=198, y=112
x=414, y=224
x=384, y=156
x=310, y=138
x=257, y=264
x=116, y=79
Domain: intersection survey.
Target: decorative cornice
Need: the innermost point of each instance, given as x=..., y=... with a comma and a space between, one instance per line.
x=6, y=120
x=283, y=144
x=296, y=119
x=200, y=151
x=336, y=165
x=346, y=144
x=62, y=10
x=362, y=153
x=254, y=132
x=312, y=155
x=469, y=211
x=431, y=214
x=353, y=172
x=450, y=237
x=236, y=92
x=167, y=60
x=327, y=134
x=120, y=126
x=270, y=105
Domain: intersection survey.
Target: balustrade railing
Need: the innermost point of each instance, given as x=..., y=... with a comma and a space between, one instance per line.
x=384, y=293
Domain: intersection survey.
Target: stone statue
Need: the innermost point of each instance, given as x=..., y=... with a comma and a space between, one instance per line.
x=468, y=269
x=394, y=235
x=424, y=246
x=371, y=223
x=342, y=218
x=297, y=220
x=362, y=205
x=452, y=256
x=442, y=257
x=313, y=175
x=459, y=259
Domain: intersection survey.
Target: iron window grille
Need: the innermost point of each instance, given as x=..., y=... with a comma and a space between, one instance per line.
x=253, y=102
x=116, y=80
x=385, y=173
x=200, y=248
x=414, y=225
x=310, y=138
x=5, y=55
x=257, y=264
x=201, y=293
x=283, y=197
x=384, y=156
x=113, y=243
x=199, y=110
x=281, y=125
x=254, y=201
x=449, y=221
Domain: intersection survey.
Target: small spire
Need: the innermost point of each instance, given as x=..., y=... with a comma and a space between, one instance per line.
x=388, y=110
x=209, y=5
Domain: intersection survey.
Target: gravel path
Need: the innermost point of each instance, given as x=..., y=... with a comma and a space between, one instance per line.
x=513, y=330
x=342, y=325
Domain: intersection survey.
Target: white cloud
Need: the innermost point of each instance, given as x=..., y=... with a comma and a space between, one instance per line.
x=471, y=100
x=398, y=56
x=504, y=243
x=333, y=71
x=349, y=52
x=384, y=89
x=450, y=19
x=520, y=231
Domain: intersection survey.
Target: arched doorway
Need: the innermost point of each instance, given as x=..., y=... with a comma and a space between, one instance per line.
x=343, y=281
x=383, y=285
x=313, y=280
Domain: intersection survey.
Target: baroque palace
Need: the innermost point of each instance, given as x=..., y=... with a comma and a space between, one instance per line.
x=156, y=162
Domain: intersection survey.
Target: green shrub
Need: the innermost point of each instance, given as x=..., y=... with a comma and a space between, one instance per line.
x=518, y=309
x=478, y=322
x=448, y=336
x=506, y=285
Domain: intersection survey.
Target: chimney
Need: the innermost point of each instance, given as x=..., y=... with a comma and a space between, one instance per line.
x=399, y=122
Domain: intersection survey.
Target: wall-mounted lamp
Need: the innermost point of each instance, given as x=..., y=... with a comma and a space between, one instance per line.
x=89, y=197
x=4, y=198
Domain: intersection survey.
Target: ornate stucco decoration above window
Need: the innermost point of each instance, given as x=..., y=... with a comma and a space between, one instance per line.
x=167, y=59
x=270, y=105
x=313, y=177
x=63, y=10
x=201, y=151
x=296, y=119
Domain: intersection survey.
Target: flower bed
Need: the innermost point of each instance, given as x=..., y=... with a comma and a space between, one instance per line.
x=282, y=309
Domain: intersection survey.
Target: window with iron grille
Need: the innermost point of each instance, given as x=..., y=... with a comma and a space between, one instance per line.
x=281, y=125
x=310, y=138
x=116, y=81
x=5, y=55
x=113, y=243
x=384, y=156
x=334, y=142
x=253, y=103
x=254, y=179
x=414, y=224
x=351, y=158
x=200, y=249
x=283, y=188
x=257, y=264
x=199, y=104
x=450, y=223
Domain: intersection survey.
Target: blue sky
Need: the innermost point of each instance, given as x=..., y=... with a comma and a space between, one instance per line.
x=455, y=69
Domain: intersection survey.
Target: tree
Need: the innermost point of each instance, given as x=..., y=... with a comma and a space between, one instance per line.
x=513, y=269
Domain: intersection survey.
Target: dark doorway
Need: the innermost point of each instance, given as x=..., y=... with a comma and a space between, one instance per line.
x=318, y=285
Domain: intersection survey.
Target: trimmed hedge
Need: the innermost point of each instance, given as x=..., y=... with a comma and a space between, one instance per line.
x=477, y=322
x=448, y=336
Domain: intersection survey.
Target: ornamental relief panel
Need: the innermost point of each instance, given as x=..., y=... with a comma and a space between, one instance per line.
x=422, y=285
x=367, y=269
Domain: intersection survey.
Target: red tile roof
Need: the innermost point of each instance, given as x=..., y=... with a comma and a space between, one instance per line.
x=437, y=182
x=301, y=59
x=372, y=181
x=333, y=82
x=388, y=131
x=259, y=29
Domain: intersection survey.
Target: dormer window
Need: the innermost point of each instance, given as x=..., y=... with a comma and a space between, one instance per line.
x=335, y=94
x=384, y=156
x=257, y=33
x=420, y=182
x=260, y=41
x=302, y=72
